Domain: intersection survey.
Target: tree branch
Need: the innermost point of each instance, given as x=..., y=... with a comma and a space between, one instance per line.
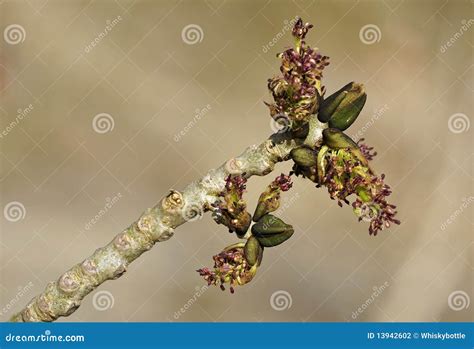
x=64, y=296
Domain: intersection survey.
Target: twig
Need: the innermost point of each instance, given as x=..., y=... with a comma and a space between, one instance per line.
x=64, y=296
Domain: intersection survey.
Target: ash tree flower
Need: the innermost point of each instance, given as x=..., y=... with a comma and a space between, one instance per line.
x=335, y=162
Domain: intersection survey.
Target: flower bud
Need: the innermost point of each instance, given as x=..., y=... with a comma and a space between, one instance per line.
x=303, y=156
x=336, y=139
x=271, y=231
x=253, y=251
x=341, y=109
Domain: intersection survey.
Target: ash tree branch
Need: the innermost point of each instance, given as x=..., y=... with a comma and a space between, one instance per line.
x=64, y=296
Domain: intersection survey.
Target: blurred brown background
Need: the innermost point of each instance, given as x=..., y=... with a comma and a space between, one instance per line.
x=106, y=130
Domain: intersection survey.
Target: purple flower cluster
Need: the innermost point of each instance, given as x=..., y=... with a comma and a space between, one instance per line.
x=282, y=182
x=230, y=266
x=368, y=152
x=345, y=175
x=297, y=91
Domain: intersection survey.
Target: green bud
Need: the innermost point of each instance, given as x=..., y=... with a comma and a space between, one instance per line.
x=336, y=139
x=303, y=156
x=241, y=224
x=253, y=251
x=267, y=202
x=271, y=231
x=343, y=107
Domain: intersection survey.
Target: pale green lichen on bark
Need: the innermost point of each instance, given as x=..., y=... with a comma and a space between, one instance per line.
x=64, y=296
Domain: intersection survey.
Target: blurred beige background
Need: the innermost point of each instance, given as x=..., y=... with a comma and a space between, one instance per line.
x=147, y=77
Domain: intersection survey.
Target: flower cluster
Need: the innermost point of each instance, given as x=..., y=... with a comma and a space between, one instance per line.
x=298, y=90
x=346, y=175
x=282, y=182
x=230, y=210
x=367, y=151
x=230, y=266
